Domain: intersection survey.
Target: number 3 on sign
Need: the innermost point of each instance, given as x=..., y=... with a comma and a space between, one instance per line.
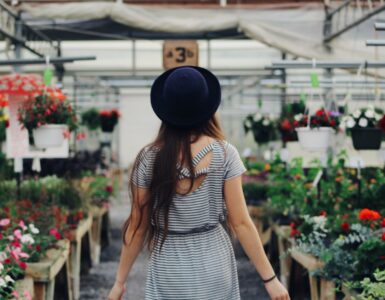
x=180, y=53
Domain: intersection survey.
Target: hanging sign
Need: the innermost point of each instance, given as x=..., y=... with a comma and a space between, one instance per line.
x=180, y=53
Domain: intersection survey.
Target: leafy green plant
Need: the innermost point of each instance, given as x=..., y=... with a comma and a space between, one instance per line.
x=91, y=119
x=255, y=192
x=372, y=288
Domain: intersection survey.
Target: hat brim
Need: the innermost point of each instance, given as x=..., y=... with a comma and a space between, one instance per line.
x=163, y=112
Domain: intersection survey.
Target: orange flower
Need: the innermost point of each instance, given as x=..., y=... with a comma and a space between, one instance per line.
x=267, y=167
x=369, y=215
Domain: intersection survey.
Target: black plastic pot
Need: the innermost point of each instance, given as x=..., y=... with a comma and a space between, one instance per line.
x=367, y=138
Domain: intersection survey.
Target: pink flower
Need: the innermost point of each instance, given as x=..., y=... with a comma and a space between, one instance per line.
x=66, y=134
x=55, y=233
x=27, y=295
x=5, y=222
x=22, y=225
x=18, y=234
x=15, y=294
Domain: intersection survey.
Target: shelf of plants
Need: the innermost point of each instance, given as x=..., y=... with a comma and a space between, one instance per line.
x=51, y=226
x=335, y=226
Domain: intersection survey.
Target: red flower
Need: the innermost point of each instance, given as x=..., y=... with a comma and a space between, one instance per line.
x=7, y=261
x=381, y=123
x=319, y=113
x=345, y=216
x=55, y=233
x=294, y=233
x=16, y=243
x=38, y=248
x=323, y=213
x=23, y=265
x=293, y=225
x=383, y=236
x=369, y=215
x=345, y=226
x=383, y=222
x=6, y=123
x=286, y=125
x=109, y=189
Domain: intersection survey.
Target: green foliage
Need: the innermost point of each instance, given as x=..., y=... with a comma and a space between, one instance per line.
x=91, y=119
x=264, y=129
x=373, y=288
x=255, y=191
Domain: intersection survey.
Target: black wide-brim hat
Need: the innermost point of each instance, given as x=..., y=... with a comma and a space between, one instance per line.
x=186, y=97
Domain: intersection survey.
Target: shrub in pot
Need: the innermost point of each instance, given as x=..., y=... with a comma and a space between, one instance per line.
x=48, y=119
x=262, y=127
x=366, y=126
x=91, y=119
x=109, y=119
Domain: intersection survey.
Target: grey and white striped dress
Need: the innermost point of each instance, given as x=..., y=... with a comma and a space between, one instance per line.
x=197, y=260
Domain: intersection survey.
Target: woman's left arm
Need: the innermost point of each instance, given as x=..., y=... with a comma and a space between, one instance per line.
x=248, y=236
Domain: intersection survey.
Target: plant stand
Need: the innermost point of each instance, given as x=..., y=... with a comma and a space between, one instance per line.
x=80, y=255
x=53, y=266
x=257, y=213
x=285, y=260
x=23, y=286
x=325, y=290
x=98, y=214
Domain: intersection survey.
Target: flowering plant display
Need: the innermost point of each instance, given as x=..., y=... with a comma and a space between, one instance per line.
x=368, y=117
x=47, y=109
x=108, y=119
x=262, y=126
x=20, y=243
x=321, y=118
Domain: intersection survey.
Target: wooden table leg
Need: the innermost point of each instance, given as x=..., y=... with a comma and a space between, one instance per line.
x=314, y=293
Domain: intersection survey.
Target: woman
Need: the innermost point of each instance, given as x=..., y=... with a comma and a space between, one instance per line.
x=186, y=188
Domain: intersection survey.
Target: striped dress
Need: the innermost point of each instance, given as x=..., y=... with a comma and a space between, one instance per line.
x=197, y=260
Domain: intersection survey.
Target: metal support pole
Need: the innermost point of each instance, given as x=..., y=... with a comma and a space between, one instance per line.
x=283, y=82
x=208, y=54
x=133, y=57
x=325, y=64
x=42, y=61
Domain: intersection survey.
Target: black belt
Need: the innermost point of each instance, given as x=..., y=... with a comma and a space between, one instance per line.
x=205, y=228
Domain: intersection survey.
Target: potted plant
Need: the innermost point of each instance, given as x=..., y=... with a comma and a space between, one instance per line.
x=316, y=133
x=286, y=123
x=108, y=119
x=91, y=119
x=49, y=119
x=366, y=126
x=262, y=127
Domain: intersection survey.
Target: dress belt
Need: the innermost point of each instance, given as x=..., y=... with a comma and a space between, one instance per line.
x=201, y=229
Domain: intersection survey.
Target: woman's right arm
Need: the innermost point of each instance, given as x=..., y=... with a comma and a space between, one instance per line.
x=134, y=236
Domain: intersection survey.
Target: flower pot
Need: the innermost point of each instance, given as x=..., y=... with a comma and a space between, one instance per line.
x=366, y=138
x=51, y=135
x=314, y=139
x=107, y=127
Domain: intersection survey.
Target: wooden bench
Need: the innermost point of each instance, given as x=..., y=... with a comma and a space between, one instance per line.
x=80, y=254
x=320, y=289
x=52, y=269
x=98, y=215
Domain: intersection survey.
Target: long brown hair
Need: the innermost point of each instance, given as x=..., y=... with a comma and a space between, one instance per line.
x=173, y=146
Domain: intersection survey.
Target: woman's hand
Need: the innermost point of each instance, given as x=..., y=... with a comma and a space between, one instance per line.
x=276, y=290
x=117, y=292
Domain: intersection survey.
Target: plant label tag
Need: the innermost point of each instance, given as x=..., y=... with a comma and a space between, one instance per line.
x=314, y=80
x=317, y=178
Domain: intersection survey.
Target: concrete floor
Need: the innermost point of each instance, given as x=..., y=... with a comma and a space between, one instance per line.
x=97, y=283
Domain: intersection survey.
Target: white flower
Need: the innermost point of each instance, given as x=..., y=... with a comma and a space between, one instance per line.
x=1, y=267
x=369, y=113
x=357, y=114
x=298, y=117
x=9, y=279
x=265, y=122
x=378, y=117
x=257, y=117
x=363, y=122
x=27, y=239
x=248, y=124
x=3, y=256
x=350, y=123
x=33, y=229
x=2, y=282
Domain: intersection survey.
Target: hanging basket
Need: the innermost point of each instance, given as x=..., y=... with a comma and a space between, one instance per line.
x=366, y=138
x=314, y=139
x=48, y=136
